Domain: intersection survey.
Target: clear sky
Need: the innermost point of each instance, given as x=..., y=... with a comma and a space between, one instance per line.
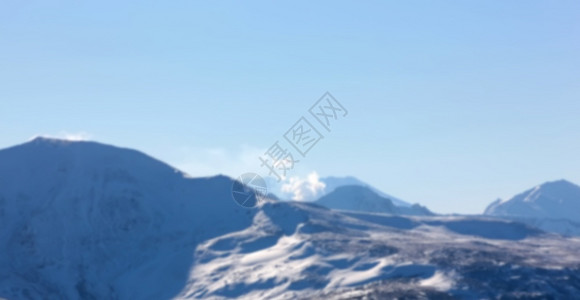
x=451, y=103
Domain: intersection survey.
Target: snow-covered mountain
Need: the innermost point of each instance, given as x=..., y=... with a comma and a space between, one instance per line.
x=556, y=200
x=364, y=199
x=324, y=186
x=86, y=220
x=332, y=183
x=552, y=206
x=82, y=220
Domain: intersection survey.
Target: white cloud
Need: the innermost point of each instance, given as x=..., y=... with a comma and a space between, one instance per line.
x=199, y=162
x=304, y=188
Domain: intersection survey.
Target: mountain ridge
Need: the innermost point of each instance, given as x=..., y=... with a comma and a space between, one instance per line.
x=553, y=206
x=68, y=205
x=553, y=199
x=84, y=220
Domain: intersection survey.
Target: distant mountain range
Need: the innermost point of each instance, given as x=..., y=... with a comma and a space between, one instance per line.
x=83, y=220
x=557, y=200
x=330, y=184
x=364, y=199
x=552, y=206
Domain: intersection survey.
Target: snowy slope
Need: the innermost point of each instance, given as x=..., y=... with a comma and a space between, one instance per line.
x=553, y=200
x=83, y=220
x=306, y=252
x=552, y=206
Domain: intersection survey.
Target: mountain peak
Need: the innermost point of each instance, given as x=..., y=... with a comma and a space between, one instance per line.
x=54, y=142
x=42, y=139
x=333, y=182
x=561, y=183
x=357, y=198
x=365, y=199
x=558, y=199
x=72, y=160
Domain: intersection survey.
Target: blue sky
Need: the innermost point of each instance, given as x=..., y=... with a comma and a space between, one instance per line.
x=451, y=104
